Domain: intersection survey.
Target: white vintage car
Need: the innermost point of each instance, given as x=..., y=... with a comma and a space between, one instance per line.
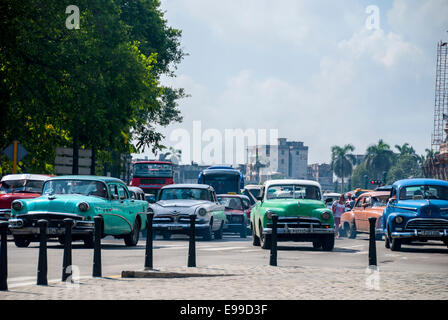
x=176, y=202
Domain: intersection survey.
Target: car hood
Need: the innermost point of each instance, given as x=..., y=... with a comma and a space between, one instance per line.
x=58, y=203
x=181, y=203
x=7, y=198
x=295, y=207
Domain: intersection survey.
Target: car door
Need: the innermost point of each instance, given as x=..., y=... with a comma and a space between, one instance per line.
x=364, y=213
x=118, y=221
x=217, y=211
x=357, y=212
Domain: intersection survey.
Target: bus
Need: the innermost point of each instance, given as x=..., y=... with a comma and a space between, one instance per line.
x=151, y=175
x=222, y=179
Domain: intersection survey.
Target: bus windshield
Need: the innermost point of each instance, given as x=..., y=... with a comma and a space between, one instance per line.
x=153, y=170
x=223, y=183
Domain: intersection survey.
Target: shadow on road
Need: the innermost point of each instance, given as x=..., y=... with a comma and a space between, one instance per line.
x=310, y=249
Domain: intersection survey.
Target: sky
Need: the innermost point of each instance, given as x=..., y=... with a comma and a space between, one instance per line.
x=323, y=72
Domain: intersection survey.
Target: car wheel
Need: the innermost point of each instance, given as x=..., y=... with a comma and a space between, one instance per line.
x=21, y=242
x=265, y=240
x=131, y=239
x=352, y=231
x=328, y=243
x=89, y=241
x=317, y=244
x=255, y=238
x=342, y=232
x=243, y=232
x=208, y=233
x=218, y=234
x=378, y=237
x=166, y=235
x=396, y=245
x=386, y=242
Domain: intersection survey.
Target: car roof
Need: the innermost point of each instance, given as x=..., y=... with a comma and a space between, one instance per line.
x=414, y=182
x=86, y=177
x=253, y=186
x=375, y=194
x=135, y=189
x=26, y=176
x=188, y=185
x=292, y=181
x=227, y=195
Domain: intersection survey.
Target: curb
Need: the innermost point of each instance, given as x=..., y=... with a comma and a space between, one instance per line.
x=169, y=275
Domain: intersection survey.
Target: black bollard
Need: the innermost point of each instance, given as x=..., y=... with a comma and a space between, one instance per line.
x=42, y=267
x=149, y=242
x=372, y=243
x=67, y=260
x=97, y=246
x=192, y=246
x=273, y=259
x=4, y=256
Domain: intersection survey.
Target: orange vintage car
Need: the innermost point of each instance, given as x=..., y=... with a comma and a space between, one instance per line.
x=369, y=204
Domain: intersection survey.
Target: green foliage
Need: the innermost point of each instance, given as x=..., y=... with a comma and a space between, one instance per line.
x=379, y=159
x=97, y=86
x=342, y=161
x=358, y=176
x=406, y=167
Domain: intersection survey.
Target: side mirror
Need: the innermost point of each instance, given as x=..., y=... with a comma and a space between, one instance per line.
x=391, y=201
x=115, y=196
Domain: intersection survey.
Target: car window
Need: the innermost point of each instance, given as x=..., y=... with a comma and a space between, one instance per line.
x=122, y=193
x=113, y=190
x=246, y=204
x=359, y=202
x=379, y=201
x=293, y=192
x=185, y=194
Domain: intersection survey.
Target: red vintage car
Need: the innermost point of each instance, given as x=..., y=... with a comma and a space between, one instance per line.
x=237, y=209
x=369, y=204
x=19, y=186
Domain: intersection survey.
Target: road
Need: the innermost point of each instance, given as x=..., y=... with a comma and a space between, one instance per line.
x=230, y=251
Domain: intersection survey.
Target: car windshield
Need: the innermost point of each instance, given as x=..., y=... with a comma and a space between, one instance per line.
x=153, y=170
x=31, y=186
x=380, y=201
x=293, y=192
x=83, y=187
x=233, y=203
x=424, y=192
x=185, y=194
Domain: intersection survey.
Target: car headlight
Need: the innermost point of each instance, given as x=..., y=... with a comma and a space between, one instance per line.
x=325, y=215
x=399, y=219
x=17, y=205
x=83, y=206
x=269, y=214
x=202, y=212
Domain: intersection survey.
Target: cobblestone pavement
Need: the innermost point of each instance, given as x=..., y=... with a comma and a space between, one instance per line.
x=248, y=282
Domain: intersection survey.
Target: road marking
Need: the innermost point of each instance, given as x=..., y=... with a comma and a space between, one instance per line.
x=362, y=252
x=29, y=283
x=221, y=248
x=16, y=279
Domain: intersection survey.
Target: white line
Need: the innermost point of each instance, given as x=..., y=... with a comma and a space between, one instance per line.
x=23, y=284
x=221, y=248
x=362, y=252
x=16, y=279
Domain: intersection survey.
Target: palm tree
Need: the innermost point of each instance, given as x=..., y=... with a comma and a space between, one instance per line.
x=379, y=158
x=405, y=149
x=171, y=154
x=342, y=161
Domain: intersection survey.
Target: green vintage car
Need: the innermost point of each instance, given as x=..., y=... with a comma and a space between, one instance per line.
x=302, y=215
x=79, y=198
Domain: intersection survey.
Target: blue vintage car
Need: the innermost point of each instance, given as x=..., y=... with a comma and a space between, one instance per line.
x=416, y=211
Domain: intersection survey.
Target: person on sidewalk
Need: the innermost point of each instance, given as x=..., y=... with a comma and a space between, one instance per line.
x=338, y=209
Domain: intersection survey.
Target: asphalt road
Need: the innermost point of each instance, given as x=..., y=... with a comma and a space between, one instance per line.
x=231, y=250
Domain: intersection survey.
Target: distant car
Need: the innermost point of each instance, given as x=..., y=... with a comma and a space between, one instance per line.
x=384, y=188
x=329, y=198
x=237, y=209
x=80, y=198
x=252, y=191
x=302, y=215
x=416, y=211
x=150, y=198
x=19, y=186
x=175, y=204
x=137, y=193
x=368, y=204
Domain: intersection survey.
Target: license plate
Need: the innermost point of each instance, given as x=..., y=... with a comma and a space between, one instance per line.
x=429, y=233
x=174, y=228
x=299, y=231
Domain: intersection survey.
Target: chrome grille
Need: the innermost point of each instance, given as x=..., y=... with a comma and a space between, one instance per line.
x=427, y=224
x=297, y=222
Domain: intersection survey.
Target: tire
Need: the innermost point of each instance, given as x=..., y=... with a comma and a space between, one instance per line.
x=207, y=236
x=328, y=243
x=265, y=240
x=61, y=240
x=396, y=245
x=386, y=242
x=342, y=232
x=352, y=231
x=165, y=236
x=131, y=239
x=21, y=242
x=89, y=242
x=378, y=237
x=255, y=238
x=243, y=232
x=218, y=234
x=317, y=244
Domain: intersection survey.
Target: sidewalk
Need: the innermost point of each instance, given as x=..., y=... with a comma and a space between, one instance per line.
x=243, y=282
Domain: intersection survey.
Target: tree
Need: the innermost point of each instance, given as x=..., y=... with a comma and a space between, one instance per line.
x=342, y=161
x=358, y=180
x=406, y=167
x=379, y=158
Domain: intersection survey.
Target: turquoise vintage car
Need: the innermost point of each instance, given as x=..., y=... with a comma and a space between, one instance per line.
x=302, y=215
x=80, y=198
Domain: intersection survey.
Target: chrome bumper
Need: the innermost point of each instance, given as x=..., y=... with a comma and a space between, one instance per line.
x=5, y=214
x=420, y=234
x=300, y=231
x=79, y=227
x=178, y=226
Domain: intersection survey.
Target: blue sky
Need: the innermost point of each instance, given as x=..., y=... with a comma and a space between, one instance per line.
x=310, y=69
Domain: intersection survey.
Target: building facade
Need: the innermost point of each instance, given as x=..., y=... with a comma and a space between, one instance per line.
x=323, y=174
